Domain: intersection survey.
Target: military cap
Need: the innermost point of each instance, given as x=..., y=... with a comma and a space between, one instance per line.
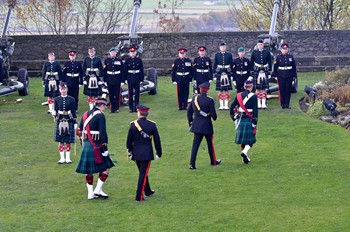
x=260, y=40
x=241, y=49
x=132, y=48
x=182, y=50
x=72, y=53
x=92, y=48
x=204, y=86
x=202, y=48
x=142, y=108
x=101, y=101
x=63, y=84
x=222, y=43
x=113, y=49
x=284, y=46
x=249, y=82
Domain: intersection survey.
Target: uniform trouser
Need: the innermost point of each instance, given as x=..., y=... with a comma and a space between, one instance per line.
x=1, y=73
x=183, y=91
x=195, y=145
x=74, y=92
x=114, y=96
x=285, y=90
x=239, y=88
x=143, y=184
x=134, y=89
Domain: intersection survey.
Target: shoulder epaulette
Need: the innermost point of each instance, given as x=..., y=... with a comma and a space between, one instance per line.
x=151, y=121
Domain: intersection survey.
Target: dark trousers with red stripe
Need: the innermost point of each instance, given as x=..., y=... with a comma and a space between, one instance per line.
x=143, y=184
x=285, y=90
x=114, y=96
x=195, y=145
x=74, y=92
x=134, y=89
x=183, y=91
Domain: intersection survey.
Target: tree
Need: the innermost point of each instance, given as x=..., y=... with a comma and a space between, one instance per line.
x=169, y=21
x=88, y=11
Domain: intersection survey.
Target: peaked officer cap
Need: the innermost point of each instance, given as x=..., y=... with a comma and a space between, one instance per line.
x=204, y=86
x=260, y=40
x=284, y=46
x=132, y=48
x=142, y=108
x=202, y=48
x=222, y=43
x=63, y=84
x=241, y=49
x=72, y=53
x=113, y=49
x=182, y=50
x=101, y=101
x=92, y=48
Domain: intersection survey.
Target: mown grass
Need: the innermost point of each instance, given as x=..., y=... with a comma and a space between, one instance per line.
x=298, y=179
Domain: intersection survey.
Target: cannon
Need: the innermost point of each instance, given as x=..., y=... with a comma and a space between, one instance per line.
x=10, y=84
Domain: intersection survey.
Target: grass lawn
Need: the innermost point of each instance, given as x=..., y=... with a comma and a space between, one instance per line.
x=298, y=179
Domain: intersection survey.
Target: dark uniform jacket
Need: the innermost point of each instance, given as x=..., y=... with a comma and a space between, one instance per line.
x=202, y=69
x=140, y=143
x=251, y=105
x=97, y=123
x=113, y=71
x=73, y=73
x=241, y=70
x=285, y=66
x=182, y=71
x=92, y=66
x=51, y=70
x=65, y=108
x=223, y=62
x=261, y=60
x=133, y=70
x=201, y=123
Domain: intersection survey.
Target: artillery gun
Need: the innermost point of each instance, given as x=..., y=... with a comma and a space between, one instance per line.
x=7, y=47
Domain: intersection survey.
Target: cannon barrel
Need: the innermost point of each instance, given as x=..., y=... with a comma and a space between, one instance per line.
x=274, y=17
x=132, y=33
x=7, y=22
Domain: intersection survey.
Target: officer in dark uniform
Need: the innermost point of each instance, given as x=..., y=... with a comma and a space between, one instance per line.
x=244, y=112
x=113, y=77
x=51, y=77
x=261, y=64
x=134, y=75
x=73, y=76
x=93, y=71
x=94, y=156
x=241, y=70
x=285, y=70
x=203, y=108
x=181, y=76
x=1, y=69
x=223, y=68
x=65, y=117
x=202, y=68
x=139, y=146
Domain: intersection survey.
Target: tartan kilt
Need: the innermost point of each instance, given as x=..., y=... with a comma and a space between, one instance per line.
x=92, y=92
x=223, y=88
x=261, y=86
x=51, y=94
x=244, y=132
x=87, y=163
x=65, y=139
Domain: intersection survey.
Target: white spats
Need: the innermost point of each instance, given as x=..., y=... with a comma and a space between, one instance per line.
x=98, y=190
x=91, y=194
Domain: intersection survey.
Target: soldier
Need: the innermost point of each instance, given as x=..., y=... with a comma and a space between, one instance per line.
x=134, y=75
x=285, y=70
x=182, y=76
x=113, y=77
x=73, y=76
x=139, y=146
x=260, y=61
x=93, y=69
x=223, y=67
x=246, y=118
x=94, y=156
x=203, y=108
x=241, y=70
x=65, y=117
x=203, y=71
x=1, y=69
x=51, y=76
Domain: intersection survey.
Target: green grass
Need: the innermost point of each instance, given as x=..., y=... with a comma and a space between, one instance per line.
x=298, y=179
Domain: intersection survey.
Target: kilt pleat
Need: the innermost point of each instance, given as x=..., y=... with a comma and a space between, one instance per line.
x=244, y=132
x=65, y=139
x=51, y=94
x=92, y=92
x=87, y=163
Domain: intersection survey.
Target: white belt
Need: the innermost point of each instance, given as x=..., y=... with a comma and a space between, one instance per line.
x=241, y=72
x=92, y=132
x=223, y=66
x=133, y=71
x=64, y=112
x=51, y=73
x=285, y=68
x=73, y=74
x=261, y=65
x=242, y=111
x=202, y=70
x=113, y=73
x=182, y=73
x=92, y=69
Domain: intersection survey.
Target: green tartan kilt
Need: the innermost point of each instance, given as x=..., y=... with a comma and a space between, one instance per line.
x=244, y=132
x=64, y=139
x=87, y=163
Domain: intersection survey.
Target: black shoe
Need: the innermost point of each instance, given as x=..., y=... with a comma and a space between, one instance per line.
x=245, y=158
x=130, y=111
x=288, y=107
x=112, y=111
x=218, y=162
x=117, y=111
x=150, y=193
x=192, y=167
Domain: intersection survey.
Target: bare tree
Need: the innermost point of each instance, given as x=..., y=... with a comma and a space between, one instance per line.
x=169, y=21
x=88, y=11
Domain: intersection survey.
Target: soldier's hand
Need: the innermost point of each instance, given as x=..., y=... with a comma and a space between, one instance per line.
x=233, y=117
x=157, y=157
x=234, y=83
x=105, y=153
x=80, y=86
x=121, y=84
x=75, y=126
x=214, y=79
x=210, y=81
x=84, y=82
x=78, y=132
x=126, y=82
x=217, y=69
x=100, y=83
x=175, y=83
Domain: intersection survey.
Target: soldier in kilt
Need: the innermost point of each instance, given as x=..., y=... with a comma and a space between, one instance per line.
x=93, y=71
x=245, y=117
x=65, y=117
x=94, y=156
x=223, y=67
x=51, y=77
